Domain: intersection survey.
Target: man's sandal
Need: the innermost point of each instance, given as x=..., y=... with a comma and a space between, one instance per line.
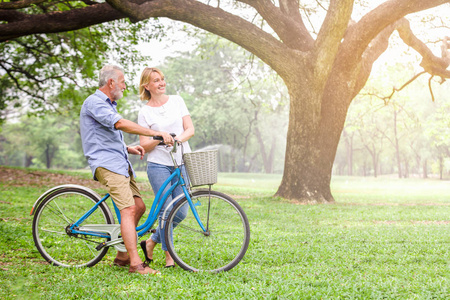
x=121, y=263
x=142, y=269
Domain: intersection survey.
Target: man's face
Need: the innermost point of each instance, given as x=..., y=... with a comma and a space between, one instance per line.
x=118, y=87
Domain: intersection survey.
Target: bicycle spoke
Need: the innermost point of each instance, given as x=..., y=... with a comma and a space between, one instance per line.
x=88, y=246
x=56, y=203
x=59, y=214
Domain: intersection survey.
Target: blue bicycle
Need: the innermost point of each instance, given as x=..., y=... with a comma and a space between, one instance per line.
x=74, y=227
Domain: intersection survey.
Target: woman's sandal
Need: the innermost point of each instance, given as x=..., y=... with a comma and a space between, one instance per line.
x=144, y=249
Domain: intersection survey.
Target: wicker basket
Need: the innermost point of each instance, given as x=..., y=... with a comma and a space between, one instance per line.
x=201, y=167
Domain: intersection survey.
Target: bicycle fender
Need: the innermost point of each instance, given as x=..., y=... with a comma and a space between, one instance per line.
x=42, y=197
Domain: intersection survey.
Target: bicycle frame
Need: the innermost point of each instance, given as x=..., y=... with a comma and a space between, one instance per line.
x=113, y=230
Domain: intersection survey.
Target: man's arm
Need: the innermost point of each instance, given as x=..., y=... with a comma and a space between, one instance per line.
x=133, y=128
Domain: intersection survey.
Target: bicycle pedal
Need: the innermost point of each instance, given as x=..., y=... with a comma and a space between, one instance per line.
x=100, y=246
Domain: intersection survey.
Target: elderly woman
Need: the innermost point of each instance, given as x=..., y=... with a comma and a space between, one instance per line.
x=166, y=113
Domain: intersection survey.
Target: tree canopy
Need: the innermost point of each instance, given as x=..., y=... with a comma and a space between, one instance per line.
x=323, y=70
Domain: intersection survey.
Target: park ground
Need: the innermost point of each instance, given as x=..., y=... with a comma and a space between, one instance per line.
x=384, y=238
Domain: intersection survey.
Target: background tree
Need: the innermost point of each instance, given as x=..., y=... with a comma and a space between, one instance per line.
x=322, y=71
x=439, y=134
x=50, y=142
x=372, y=117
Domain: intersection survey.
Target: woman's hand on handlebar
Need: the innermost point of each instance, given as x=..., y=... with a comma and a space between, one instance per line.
x=167, y=138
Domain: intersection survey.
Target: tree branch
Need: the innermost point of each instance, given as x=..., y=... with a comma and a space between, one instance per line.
x=291, y=31
x=330, y=37
x=219, y=22
x=386, y=99
x=377, y=47
x=394, y=89
x=18, y=86
x=359, y=36
x=130, y=9
x=430, y=88
x=292, y=9
x=19, y=4
x=21, y=24
x=432, y=64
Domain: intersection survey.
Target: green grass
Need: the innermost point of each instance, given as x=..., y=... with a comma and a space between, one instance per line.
x=384, y=238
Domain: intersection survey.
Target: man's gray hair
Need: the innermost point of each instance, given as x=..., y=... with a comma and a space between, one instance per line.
x=108, y=72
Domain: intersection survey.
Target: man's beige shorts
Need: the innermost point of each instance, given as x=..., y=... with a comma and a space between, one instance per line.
x=121, y=188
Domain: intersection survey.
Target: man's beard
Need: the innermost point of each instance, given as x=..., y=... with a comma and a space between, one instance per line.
x=117, y=94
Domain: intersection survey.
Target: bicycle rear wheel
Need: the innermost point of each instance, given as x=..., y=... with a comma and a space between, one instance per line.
x=51, y=233
x=226, y=240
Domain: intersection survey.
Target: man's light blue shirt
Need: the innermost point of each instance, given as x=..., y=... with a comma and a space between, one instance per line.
x=103, y=144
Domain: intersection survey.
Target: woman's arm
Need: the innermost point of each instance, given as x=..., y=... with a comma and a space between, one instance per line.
x=189, y=130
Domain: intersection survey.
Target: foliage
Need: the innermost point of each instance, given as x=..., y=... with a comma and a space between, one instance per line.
x=46, y=73
x=379, y=242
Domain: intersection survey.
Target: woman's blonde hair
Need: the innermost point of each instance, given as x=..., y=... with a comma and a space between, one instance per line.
x=145, y=79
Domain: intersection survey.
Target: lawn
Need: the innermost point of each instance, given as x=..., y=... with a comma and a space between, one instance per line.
x=385, y=238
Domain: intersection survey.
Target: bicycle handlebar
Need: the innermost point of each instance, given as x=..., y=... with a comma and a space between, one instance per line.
x=160, y=138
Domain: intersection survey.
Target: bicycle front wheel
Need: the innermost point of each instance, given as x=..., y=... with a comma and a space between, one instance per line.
x=51, y=233
x=218, y=249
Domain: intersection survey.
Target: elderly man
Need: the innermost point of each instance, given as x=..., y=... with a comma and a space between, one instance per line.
x=107, y=154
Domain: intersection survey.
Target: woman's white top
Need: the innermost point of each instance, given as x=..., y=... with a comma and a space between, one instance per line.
x=168, y=118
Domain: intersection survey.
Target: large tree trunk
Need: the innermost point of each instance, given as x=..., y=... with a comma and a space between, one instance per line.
x=316, y=120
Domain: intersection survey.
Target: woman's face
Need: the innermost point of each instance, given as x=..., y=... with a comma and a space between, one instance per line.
x=157, y=85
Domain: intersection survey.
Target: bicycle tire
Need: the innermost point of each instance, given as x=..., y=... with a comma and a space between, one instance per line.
x=219, y=251
x=55, y=213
